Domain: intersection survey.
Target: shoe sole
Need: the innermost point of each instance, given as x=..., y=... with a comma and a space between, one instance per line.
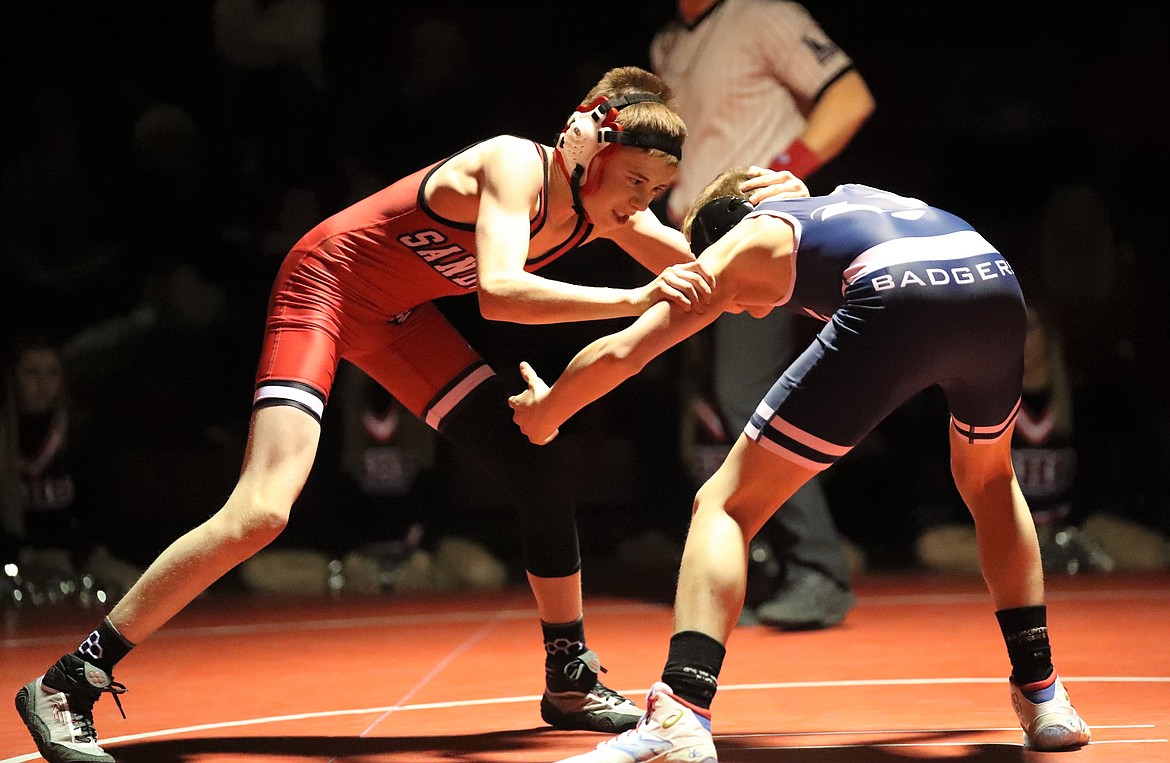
x=834, y=614
x=559, y=719
x=36, y=727
x=1056, y=742
x=1058, y=736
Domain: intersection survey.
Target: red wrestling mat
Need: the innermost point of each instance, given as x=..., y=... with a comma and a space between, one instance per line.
x=917, y=671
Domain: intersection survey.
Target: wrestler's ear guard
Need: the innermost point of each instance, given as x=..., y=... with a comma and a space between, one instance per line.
x=580, y=140
x=591, y=127
x=714, y=219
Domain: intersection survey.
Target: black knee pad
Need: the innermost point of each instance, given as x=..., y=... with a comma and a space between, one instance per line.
x=537, y=478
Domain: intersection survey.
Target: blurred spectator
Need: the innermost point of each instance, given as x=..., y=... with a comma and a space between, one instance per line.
x=1101, y=480
x=1045, y=462
x=51, y=524
x=1097, y=292
x=386, y=456
x=41, y=506
x=1042, y=446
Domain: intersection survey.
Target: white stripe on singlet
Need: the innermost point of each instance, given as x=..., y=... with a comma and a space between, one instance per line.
x=811, y=441
x=899, y=251
x=448, y=401
x=292, y=394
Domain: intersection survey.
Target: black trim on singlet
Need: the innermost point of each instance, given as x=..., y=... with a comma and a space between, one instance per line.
x=268, y=402
x=577, y=236
x=817, y=97
x=535, y=224
x=781, y=440
x=581, y=232
x=421, y=198
x=970, y=435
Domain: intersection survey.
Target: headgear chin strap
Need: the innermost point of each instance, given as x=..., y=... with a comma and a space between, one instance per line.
x=591, y=127
x=714, y=219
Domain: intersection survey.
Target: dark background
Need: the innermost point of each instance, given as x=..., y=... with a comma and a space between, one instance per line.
x=142, y=176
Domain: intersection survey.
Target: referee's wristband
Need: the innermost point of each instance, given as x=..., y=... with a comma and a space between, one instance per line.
x=798, y=159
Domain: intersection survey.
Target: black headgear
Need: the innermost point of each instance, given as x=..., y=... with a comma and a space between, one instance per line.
x=714, y=219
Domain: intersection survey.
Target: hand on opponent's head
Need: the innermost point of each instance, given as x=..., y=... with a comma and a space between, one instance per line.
x=765, y=183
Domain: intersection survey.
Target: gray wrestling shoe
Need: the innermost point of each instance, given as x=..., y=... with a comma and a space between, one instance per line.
x=588, y=705
x=58, y=710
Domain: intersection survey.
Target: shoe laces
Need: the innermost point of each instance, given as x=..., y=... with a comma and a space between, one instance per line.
x=81, y=709
x=606, y=694
x=651, y=701
x=115, y=689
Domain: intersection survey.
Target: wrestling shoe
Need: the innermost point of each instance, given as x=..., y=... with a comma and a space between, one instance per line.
x=671, y=731
x=58, y=710
x=588, y=705
x=1051, y=723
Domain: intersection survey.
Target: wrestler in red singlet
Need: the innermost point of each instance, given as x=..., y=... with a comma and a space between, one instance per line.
x=359, y=286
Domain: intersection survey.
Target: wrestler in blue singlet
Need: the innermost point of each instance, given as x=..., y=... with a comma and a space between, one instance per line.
x=912, y=296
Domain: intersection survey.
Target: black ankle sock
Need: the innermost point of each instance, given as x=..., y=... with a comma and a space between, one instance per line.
x=692, y=667
x=562, y=642
x=104, y=647
x=1025, y=631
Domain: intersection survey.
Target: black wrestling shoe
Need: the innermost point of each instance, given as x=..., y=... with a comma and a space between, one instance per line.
x=587, y=705
x=58, y=710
